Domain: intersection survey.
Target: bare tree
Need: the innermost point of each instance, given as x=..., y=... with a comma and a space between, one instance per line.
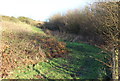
x=106, y=19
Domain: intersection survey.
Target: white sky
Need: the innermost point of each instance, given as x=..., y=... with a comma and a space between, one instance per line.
x=38, y=9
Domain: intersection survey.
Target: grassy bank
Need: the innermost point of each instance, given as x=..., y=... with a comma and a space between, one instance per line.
x=23, y=44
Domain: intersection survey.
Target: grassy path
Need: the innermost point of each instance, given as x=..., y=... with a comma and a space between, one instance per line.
x=77, y=65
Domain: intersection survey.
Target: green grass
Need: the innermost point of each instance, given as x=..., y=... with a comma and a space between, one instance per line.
x=38, y=30
x=77, y=65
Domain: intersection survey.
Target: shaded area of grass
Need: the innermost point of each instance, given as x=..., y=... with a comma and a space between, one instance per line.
x=77, y=65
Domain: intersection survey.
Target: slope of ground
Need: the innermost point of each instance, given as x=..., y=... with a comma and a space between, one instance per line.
x=22, y=44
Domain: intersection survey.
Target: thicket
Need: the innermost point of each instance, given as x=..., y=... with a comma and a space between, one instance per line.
x=89, y=22
x=99, y=23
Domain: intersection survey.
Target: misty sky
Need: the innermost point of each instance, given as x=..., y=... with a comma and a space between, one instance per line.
x=38, y=9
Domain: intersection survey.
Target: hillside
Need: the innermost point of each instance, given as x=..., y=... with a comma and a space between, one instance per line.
x=29, y=53
x=22, y=44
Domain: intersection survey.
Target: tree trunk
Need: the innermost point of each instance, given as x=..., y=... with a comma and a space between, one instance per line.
x=115, y=68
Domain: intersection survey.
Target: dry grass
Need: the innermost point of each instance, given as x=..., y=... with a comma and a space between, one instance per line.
x=22, y=44
x=18, y=46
